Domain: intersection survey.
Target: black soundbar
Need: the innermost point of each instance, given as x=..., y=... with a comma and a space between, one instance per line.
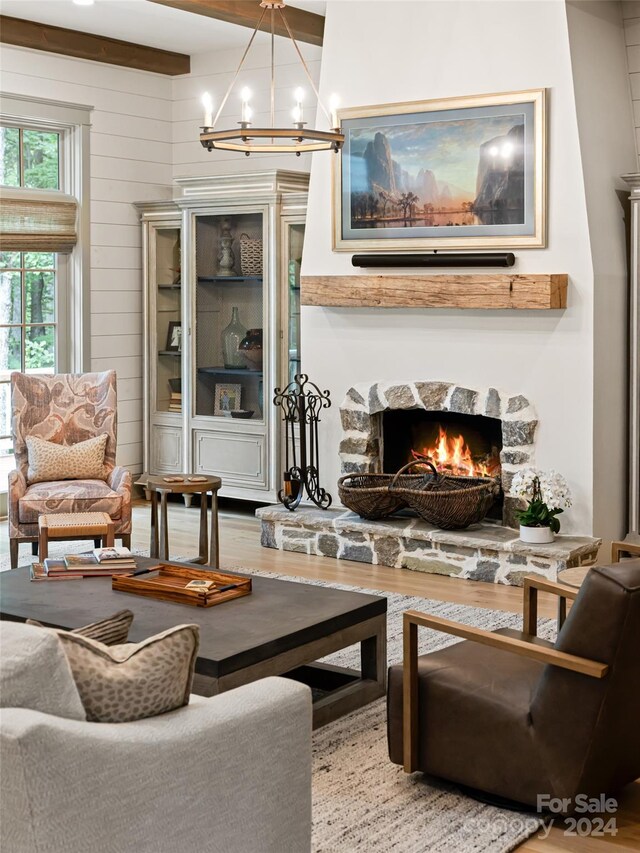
x=437, y=259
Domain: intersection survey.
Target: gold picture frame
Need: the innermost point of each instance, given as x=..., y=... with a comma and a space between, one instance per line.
x=357, y=234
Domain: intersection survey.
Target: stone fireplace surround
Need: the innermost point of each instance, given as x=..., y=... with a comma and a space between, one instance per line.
x=486, y=551
x=361, y=416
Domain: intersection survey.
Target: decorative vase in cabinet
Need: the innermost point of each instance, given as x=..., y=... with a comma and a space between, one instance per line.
x=251, y=348
x=232, y=336
x=226, y=256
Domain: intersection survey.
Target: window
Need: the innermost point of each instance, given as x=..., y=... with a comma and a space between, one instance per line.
x=32, y=303
x=44, y=257
x=30, y=310
x=29, y=158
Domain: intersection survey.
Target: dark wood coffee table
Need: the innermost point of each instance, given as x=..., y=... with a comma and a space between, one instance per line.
x=282, y=628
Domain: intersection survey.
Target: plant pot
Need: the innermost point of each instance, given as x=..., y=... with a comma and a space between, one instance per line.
x=536, y=535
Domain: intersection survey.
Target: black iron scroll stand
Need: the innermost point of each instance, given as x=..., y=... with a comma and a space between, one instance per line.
x=301, y=402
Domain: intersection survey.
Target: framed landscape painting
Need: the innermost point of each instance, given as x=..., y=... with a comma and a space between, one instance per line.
x=461, y=173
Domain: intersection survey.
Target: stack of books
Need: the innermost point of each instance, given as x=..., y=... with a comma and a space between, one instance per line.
x=175, y=400
x=102, y=562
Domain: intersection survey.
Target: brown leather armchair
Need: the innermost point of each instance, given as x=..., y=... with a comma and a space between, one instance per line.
x=511, y=715
x=65, y=408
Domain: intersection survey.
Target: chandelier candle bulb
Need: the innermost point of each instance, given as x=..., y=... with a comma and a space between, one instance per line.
x=246, y=109
x=298, y=110
x=207, y=103
x=334, y=103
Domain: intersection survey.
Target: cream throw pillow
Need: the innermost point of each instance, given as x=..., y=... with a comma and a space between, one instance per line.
x=118, y=684
x=51, y=461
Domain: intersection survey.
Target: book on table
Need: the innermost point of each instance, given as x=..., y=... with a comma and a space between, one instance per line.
x=86, y=565
x=38, y=572
x=114, y=556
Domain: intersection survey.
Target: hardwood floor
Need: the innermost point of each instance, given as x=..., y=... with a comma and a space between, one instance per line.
x=240, y=548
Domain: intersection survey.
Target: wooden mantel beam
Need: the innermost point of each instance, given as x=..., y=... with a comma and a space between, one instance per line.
x=38, y=36
x=489, y=291
x=305, y=26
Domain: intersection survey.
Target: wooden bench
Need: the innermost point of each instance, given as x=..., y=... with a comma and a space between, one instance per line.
x=74, y=525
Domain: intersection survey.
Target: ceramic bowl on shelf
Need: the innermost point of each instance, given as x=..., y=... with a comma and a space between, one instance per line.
x=251, y=348
x=241, y=413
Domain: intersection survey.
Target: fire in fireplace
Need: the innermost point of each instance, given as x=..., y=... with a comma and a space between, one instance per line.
x=464, y=445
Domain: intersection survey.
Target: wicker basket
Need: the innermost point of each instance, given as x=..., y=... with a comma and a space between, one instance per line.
x=448, y=502
x=368, y=495
x=250, y=255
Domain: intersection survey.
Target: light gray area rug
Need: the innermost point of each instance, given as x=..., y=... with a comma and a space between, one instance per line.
x=364, y=804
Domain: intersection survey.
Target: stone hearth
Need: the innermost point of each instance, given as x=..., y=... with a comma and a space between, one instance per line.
x=484, y=552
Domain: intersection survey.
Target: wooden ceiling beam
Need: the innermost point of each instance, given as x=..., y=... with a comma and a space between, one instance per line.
x=305, y=26
x=22, y=33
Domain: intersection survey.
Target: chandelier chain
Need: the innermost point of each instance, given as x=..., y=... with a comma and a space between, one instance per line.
x=273, y=69
x=304, y=64
x=239, y=68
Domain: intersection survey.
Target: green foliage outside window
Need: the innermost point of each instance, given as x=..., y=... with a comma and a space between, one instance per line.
x=39, y=152
x=28, y=276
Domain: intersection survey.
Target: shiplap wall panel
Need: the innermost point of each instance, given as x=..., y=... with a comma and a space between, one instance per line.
x=135, y=127
x=128, y=302
x=631, y=16
x=116, y=257
x=112, y=280
x=113, y=213
x=128, y=410
x=126, y=367
x=147, y=150
x=126, y=345
x=66, y=69
x=127, y=323
x=130, y=390
x=103, y=234
x=130, y=161
x=119, y=189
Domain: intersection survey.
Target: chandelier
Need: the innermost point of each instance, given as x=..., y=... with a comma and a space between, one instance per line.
x=298, y=138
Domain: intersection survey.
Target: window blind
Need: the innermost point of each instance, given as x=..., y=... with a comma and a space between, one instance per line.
x=37, y=220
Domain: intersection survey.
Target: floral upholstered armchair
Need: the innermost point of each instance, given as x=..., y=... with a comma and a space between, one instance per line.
x=65, y=409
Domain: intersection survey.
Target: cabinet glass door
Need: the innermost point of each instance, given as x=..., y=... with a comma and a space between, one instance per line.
x=168, y=320
x=229, y=378
x=295, y=239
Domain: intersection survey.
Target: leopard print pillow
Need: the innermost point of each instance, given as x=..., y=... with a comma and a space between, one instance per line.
x=50, y=461
x=118, y=684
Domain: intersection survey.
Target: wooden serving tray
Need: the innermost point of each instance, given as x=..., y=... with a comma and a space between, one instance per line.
x=167, y=583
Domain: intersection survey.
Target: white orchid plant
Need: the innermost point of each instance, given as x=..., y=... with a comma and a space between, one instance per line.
x=547, y=495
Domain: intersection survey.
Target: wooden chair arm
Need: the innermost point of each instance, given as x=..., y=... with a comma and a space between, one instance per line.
x=530, y=601
x=413, y=619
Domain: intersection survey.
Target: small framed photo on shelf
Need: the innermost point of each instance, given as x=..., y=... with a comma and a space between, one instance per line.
x=174, y=336
x=227, y=399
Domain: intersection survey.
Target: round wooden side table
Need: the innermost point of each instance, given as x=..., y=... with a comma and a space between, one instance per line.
x=185, y=484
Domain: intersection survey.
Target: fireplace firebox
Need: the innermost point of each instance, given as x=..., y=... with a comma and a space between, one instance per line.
x=464, y=445
x=485, y=431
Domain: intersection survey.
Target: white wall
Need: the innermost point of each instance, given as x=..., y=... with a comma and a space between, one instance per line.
x=606, y=131
x=212, y=72
x=631, y=16
x=130, y=161
x=464, y=48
